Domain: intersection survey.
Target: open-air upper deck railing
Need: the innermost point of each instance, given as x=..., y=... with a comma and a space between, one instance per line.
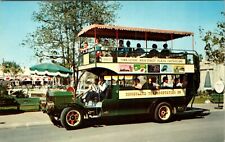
x=132, y=56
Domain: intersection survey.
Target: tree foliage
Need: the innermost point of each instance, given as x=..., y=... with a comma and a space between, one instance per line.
x=60, y=22
x=215, y=42
x=11, y=67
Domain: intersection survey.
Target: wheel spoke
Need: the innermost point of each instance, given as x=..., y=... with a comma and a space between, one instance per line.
x=72, y=122
x=76, y=116
x=73, y=117
x=164, y=112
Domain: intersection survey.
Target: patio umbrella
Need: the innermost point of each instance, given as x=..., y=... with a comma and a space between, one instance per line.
x=50, y=70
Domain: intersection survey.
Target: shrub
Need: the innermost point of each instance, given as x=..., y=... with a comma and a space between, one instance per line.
x=20, y=94
x=203, y=94
x=3, y=90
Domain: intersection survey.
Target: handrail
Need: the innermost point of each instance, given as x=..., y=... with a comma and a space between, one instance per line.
x=174, y=53
x=148, y=49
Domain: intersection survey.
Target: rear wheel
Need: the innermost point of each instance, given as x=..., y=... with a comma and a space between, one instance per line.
x=72, y=118
x=163, y=112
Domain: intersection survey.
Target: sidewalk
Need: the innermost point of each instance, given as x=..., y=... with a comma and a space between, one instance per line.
x=209, y=106
x=38, y=118
x=23, y=119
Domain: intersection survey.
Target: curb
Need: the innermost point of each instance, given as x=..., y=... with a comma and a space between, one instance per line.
x=28, y=124
x=210, y=106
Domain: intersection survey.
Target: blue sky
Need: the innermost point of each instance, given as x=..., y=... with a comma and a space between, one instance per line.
x=16, y=22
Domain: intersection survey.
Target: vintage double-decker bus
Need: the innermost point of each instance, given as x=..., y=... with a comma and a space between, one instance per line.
x=139, y=80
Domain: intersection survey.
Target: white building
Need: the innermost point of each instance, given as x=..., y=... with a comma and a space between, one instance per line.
x=215, y=73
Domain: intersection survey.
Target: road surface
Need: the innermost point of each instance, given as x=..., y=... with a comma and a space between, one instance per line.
x=202, y=129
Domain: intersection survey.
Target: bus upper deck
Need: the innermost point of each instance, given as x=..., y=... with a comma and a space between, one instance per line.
x=126, y=59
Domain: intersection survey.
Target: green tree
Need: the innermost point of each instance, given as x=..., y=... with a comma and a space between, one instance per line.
x=215, y=42
x=11, y=67
x=60, y=22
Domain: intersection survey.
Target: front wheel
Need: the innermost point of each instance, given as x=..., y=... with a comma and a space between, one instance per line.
x=163, y=112
x=71, y=118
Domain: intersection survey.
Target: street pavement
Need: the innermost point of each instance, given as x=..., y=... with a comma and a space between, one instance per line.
x=26, y=119
x=23, y=119
x=126, y=129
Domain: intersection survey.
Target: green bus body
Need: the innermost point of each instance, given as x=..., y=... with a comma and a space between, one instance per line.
x=69, y=111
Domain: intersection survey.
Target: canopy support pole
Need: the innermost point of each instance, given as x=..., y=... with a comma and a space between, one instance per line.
x=146, y=42
x=117, y=42
x=95, y=33
x=171, y=41
x=117, y=38
x=193, y=42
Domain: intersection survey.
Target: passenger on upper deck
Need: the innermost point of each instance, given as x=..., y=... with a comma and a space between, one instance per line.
x=106, y=48
x=139, y=51
x=165, y=51
x=154, y=52
x=128, y=50
x=121, y=48
x=85, y=48
x=98, y=48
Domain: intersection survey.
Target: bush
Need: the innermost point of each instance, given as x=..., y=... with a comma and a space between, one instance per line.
x=20, y=94
x=8, y=101
x=203, y=94
x=5, y=99
x=3, y=90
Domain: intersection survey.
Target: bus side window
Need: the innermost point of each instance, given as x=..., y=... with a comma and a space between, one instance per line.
x=167, y=81
x=177, y=83
x=128, y=82
x=151, y=82
x=121, y=83
x=184, y=81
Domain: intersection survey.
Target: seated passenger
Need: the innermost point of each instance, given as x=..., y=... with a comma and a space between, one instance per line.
x=177, y=83
x=106, y=49
x=154, y=52
x=165, y=83
x=139, y=51
x=137, y=84
x=85, y=48
x=92, y=92
x=165, y=52
x=156, y=85
x=121, y=49
x=149, y=85
x=98, y=48
x=128, y=49
x=103, y=88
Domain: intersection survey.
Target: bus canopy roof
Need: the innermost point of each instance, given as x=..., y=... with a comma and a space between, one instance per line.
x=121, y=32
